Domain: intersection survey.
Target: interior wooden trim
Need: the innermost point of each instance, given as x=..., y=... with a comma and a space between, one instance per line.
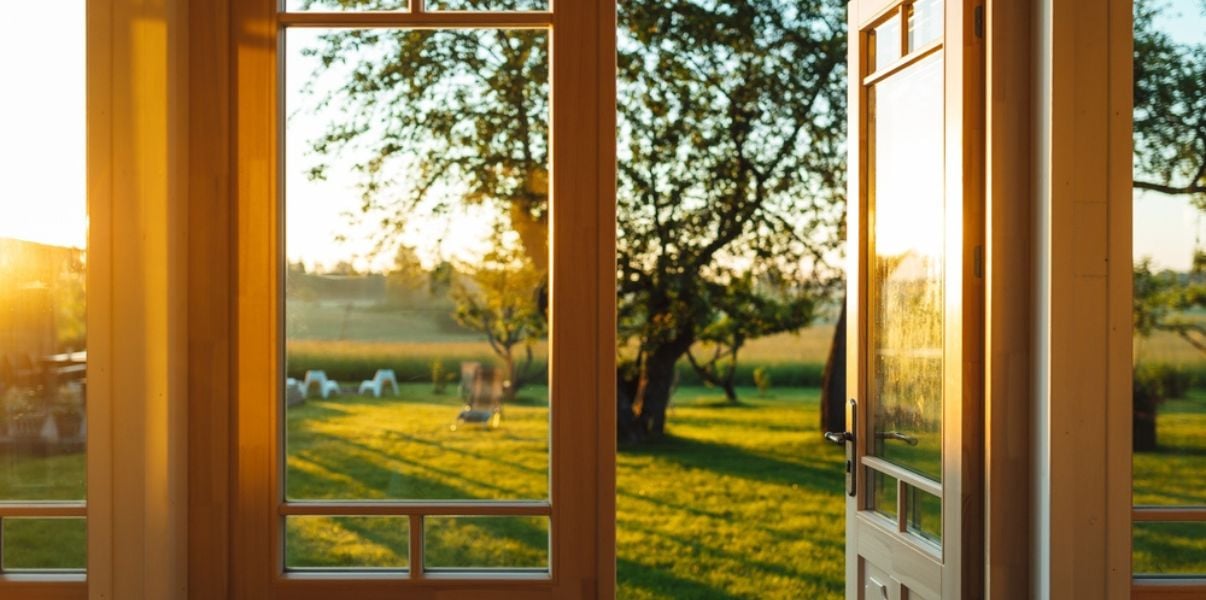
x=1161, y=514
x=1168, y=589
x=35, y=587
x=1008, y=275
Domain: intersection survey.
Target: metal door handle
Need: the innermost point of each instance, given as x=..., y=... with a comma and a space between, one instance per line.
x=839, y=437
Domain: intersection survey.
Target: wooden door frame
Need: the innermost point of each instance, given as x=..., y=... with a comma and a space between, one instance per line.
x=964, y=176
x=231, y=504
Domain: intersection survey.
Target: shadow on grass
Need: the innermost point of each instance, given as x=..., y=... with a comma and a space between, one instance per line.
x=661, y=581
x=751, y=568
x=735, y=461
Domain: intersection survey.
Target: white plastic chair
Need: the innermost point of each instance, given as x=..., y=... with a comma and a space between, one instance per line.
x=376, y=385
x=326, y=387
x=294, y=392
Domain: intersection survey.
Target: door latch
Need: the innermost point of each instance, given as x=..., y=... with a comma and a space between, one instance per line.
x=847, y=438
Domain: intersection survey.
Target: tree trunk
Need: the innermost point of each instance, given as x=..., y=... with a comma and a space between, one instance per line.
x=730, y=391
x=833, y=383
x=628, y=385
x=655, y=393
x=1144, y=431
x=511, y=387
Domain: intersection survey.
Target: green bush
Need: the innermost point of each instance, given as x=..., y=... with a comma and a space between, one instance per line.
x=762, y=379
x=411, y=367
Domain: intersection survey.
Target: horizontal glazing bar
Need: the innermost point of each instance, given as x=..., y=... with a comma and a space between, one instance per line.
x=903, y=62
x=43, y=580
x=48, y=509
x=419, y=20
x=1162, y=514
x=457, y=509
x=905, y=475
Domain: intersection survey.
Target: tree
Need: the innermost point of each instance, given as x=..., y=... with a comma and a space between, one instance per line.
x=1170, y=109
x=497, y=300
x=732, y=154
x=407, y=281
x=743, y=312
x=441, y=119
x=732, y=160
x=1170, y=158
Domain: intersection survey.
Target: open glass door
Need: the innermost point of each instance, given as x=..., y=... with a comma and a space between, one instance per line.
x=915, y=286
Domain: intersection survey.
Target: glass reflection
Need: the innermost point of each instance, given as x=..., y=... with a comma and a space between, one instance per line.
x=925, y=22
x=885, y=43
x=906, y=336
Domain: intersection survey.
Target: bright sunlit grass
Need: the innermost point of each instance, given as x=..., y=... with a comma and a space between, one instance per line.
x=740, y=502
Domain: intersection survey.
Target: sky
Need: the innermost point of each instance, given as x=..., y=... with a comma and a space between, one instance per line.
x=42, y=176
x=42, y=159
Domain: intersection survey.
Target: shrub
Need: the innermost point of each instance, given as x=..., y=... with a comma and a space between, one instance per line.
x=439, y=379
x=762, y=379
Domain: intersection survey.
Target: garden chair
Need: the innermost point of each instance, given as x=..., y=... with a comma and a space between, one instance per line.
x=376, y=385
x=294, y=392
x=326, y=387
x=484, y=406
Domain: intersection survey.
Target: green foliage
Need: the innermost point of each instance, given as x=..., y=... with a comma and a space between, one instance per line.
x=762, y=380
x=1170, y=107
x=1162, y=299
x=439, y=378
x=439, y=110
x=501, y=300
x=732, y=170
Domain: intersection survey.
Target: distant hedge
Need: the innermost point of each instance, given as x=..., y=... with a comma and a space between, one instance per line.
x=409, y=367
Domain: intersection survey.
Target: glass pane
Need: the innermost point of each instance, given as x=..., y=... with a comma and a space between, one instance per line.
x=417, y=239
x=43, y=544
x=906, y=333
x=1169, y=392
x=346, y=5
x=925, y=22
x=885, y=43
x=924, y=516
x=493, y=5
x=347, y=542
x=486, y=543
x=43, y=231
x=1169, y=549
x=884, y=490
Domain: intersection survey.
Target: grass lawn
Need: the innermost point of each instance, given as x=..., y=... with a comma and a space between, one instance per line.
x=740, y=502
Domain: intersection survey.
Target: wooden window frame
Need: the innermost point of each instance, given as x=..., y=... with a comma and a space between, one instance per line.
x=234, y=449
